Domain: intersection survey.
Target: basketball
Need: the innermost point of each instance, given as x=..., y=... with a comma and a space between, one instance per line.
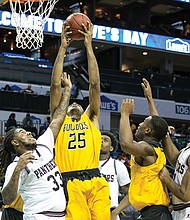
x=75, y=21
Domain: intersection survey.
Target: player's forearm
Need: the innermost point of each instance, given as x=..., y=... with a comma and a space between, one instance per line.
x=93, y=70
x=9, y=192
x=175, y=189
x=151, y=106
x=125, y=129
x=58, y=66
x=170, y=150
x=125, y=134
x=60, y=112
x=122, y=205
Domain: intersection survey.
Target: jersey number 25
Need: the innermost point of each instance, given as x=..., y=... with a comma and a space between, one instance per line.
x=77, y=140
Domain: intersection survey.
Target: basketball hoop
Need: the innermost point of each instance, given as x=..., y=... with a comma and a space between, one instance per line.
x=30, y=17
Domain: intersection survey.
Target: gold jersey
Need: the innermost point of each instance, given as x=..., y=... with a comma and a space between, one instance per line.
x=17, y=204
x=146, y=188
x=78, y=145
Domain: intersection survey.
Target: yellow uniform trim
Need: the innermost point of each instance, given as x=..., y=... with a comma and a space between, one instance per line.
x=17, y=204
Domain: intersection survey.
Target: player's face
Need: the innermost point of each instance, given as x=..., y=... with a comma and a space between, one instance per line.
x=106, y=145
x=25, y=139
x=75, y=109
x=142, y=128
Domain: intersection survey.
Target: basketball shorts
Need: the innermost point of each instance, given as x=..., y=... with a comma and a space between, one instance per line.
x=12, y=214
x=87, y=195
x=155, y=212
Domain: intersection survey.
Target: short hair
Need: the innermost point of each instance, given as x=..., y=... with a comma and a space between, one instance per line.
x=114, y=141
x=159, y=126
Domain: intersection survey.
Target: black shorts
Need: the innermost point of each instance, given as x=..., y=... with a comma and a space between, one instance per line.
x=156, y=212
x=11, y=214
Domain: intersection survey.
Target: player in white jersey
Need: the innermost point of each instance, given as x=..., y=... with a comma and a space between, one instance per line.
x=34, y=173
x=115, y=173
x=180, y=186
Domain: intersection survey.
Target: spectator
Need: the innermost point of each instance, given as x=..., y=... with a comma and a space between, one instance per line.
x=182, y=130
x=28, y=90
x=11, y=122
x=7, y=88
x=28, y=125
x=45, y=125
x=27, y=121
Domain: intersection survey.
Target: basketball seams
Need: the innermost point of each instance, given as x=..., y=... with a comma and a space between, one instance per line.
x=75, y=22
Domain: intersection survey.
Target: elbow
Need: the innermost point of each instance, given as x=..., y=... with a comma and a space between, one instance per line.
x=7, y=198
x=123, y=146
x=7, y=201
x=186, y=198
x=95, y=84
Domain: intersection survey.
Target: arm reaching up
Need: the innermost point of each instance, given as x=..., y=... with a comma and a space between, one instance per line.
x=139, y=149
x=61, y=111
x=148, y=95
x=93, y=111
x=55, y=88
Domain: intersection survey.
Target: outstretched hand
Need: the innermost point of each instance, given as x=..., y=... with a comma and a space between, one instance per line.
x=66, y=81
x=24, y=159
x=65, y=39
x=146, y=88
x=87, y=33
x=127, y=106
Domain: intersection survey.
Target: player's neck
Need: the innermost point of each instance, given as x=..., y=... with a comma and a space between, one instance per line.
x=104, y=156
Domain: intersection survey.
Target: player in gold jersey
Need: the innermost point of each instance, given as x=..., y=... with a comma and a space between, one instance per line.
x=146, y=192
x=178, y=186
x=78, y=144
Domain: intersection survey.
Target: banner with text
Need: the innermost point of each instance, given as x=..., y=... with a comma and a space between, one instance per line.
x=106, y=34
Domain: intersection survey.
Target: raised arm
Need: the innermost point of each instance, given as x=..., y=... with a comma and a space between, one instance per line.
x=148, y=95
x=55, y=88
x=169, y=148
x=61, y=111
x=93, y=110
x=140, y=149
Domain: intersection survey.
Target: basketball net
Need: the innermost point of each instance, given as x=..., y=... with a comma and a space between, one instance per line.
x=30, y=17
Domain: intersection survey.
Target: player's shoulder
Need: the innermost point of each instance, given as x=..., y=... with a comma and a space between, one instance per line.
x=47, y=134
x=12, y=165
x=119, y=163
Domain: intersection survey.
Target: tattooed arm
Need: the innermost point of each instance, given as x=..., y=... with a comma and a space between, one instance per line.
x=61, y=111
x=93, y=111
x=10, y=189
x=55, y=88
